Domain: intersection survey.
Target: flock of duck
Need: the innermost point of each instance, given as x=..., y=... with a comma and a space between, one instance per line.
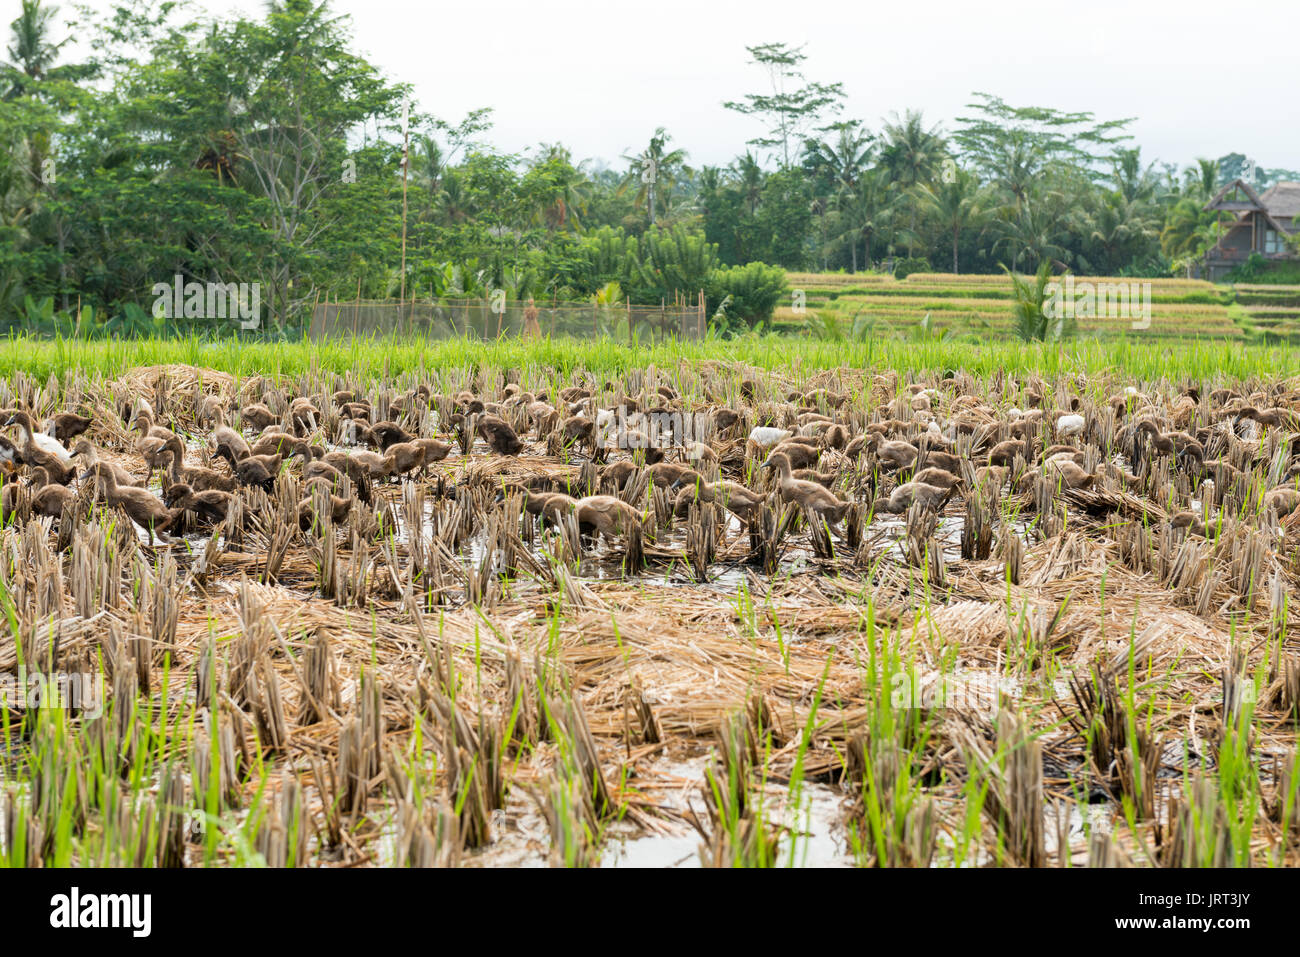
x=908, y=445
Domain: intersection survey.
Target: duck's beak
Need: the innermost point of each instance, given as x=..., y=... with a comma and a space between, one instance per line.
x=11, y=420
x=767, y=464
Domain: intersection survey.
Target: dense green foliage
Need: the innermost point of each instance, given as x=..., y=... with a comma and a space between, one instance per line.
x=265, y=150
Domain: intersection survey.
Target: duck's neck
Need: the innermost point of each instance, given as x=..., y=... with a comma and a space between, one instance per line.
x=24, y=423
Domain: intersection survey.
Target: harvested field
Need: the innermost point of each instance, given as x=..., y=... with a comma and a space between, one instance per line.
x=1009, y=620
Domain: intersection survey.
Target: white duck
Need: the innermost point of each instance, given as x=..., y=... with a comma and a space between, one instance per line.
x=768, y=436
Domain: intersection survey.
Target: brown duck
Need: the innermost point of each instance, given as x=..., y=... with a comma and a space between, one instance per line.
x=140, y=506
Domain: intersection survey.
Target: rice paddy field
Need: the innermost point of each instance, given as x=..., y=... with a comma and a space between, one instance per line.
x=979, y=306
x=1039, y=613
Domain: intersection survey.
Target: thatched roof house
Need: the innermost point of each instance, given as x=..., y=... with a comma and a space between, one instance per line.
x=1263, y=225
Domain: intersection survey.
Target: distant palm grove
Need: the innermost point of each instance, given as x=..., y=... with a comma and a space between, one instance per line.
x=268, y=151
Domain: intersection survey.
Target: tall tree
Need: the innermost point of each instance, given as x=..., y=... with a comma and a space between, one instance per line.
x=653, y=172
x=794, y=106
x=911, y=156
x=955, y=203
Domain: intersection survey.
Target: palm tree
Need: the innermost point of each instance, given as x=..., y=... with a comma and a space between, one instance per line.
x=31, y=54
x=844, y=159
x=1120, y=224
x=427, y=172
x=1033, y=321
x=750, y=177
x=867, y=209
x=1032, y=230
x=911, y=157
x=568, y=187
x=654, y=172
x=955, y=202
x=836, y=166
x=1133, y=182
x=1203, y=178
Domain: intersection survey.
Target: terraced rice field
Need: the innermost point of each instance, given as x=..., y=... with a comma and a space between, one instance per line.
x=973, y=306
x=1272, y=313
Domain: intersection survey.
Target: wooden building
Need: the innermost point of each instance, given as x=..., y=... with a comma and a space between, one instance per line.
x=1264, y=223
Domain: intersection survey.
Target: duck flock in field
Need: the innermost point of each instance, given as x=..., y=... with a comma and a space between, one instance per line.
x=643, y=453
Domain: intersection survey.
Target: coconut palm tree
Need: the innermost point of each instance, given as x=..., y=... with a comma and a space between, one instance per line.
x=845, y=158
x=654, y=172
x=1032, y=230
x=31, y=54
x=867, y=210
x=749, y=177
x=911, y=156
x=567, y=187
x=955, y=202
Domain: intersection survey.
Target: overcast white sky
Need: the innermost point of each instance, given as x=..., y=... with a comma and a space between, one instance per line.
x=599, y=76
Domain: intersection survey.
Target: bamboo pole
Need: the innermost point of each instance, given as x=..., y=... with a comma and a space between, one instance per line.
x=406, y=166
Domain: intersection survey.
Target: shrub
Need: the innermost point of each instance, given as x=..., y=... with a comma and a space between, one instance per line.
x=910, y=264
x=754, y=289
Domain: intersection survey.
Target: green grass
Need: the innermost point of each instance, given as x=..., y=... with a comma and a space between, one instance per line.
x=1202, y=359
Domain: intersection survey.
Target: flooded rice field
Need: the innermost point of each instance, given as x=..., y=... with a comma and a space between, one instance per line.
x=456, y=620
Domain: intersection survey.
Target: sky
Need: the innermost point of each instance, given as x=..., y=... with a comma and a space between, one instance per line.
x=600, y=76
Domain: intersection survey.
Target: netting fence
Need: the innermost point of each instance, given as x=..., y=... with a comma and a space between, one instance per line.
x=494, y=319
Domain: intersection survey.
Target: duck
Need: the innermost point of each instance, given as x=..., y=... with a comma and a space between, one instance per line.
x=381, y=435
x=1069, y=423
x=549, y=506
x=49, y=497
x=1190, y=521
x=891, y=453
x=1284, y=500
x=66, y=426
x=277, y=443
x=352, y=465
x=90, y=455
x=939, y=478
x=229, y=444
x=303, y=415
x=1178, y=444
x=666, y=474
x=1068, y=473
x=259, y=470
x=609, y=516
x=140, y=506
x=809, y=495
x=768, y=436
x=197, y=477
x=339, y=507
x=698, y=453
x=10, y=457
x=257, y=417
x=403, y=458
x=1275, y=417
x=616, y=474
x=911, y=493
x=498, y=434
x=211, y=505
x=734, y=497
x=40, y=450
x=801, y=454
